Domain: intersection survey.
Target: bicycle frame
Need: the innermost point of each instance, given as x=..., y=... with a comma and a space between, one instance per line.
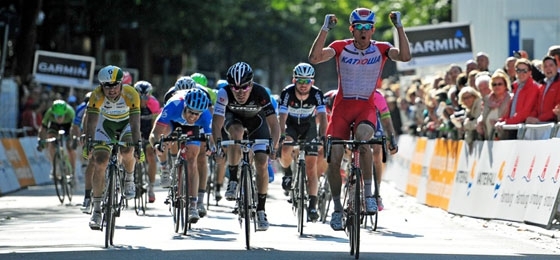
x=246, y=207
x=62, y=170
x=299, y=186
x=353, y=197
x=179, y=189
x=112, y=203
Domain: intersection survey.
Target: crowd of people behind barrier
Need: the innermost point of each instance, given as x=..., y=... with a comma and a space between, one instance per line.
x=474, y=103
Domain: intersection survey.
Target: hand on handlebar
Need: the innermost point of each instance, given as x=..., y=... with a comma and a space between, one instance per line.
x=392, y=145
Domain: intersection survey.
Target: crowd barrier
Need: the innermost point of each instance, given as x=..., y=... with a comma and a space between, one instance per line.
x=515, y=180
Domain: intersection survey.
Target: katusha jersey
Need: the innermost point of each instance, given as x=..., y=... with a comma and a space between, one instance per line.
x=359, y=70
x=128, y=103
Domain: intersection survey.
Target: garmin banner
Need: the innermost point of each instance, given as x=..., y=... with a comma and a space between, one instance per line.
x=64, y=69
x=437, y=45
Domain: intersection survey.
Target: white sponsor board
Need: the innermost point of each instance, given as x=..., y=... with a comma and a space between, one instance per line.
x=8, y=180
x=64, y=69
x=38, y=161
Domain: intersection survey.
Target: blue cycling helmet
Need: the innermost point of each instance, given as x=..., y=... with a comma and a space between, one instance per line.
x=197, y=100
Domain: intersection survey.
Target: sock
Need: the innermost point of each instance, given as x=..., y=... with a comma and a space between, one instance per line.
x=233, y=172
x=287, y=171
x=337, y=203
x=201, y=194
x=312, y=201
x=193, y=201
x=129, y=176
x=87, y=194
x=367, y=188
x=261, y=201
x=218, y=187
x=97, y=204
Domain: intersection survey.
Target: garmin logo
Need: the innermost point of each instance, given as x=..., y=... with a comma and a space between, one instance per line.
x=439, y=45
x=63, y=70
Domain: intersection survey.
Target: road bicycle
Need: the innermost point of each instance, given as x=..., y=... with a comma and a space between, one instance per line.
x=113, y=196
x=354, y=201
x=298, y=195
x=141, y=182
x=62, y=174
x=246, y=194
x=178, y=193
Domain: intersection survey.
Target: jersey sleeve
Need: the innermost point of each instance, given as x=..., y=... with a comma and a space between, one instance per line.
x=69, y=115
x=95, y=101
x=283, y=106
x=321, y=107
x=381, y=105
x=221, y=102
x=132, y=99
x=168, y=112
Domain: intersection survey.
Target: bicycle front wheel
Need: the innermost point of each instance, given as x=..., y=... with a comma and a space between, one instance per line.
x=247, y=208
x=300, y=190
x=185, y=198
x=68, y=180
x=357, y=213
x=57, y=172
x=110, y=201
x=139, y=202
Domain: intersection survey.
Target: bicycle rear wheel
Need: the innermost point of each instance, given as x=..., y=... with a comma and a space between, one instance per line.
x=300, y=190
x=57, y=172
x=69, y=182
x=247, y=208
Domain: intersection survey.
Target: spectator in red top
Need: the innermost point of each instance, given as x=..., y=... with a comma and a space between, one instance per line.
x=549, y=94
x=525, y=96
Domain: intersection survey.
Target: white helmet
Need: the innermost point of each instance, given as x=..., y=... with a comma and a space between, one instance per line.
x=362, y=15
x=185, y=82
x=304, y=70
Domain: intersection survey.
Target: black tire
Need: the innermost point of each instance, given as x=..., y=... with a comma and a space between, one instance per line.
x=69, y=183
x=109, y=213
x=247, y=208
x=139, y=201
x=357, y=213
x=185, y=198
x=301, y=197
x=57, y=171
x=211, y=181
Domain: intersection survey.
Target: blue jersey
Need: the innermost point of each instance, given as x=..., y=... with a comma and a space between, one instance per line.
x=173, y=112
x=80, y=111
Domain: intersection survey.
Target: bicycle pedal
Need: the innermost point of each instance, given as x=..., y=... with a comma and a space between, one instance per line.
x=166, y=202
x=235, y=211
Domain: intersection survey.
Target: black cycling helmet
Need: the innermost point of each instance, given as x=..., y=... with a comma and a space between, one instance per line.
x=239, y=73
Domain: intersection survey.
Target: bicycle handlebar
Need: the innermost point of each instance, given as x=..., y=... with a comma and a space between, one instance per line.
x=355, y=143
x=245, y=142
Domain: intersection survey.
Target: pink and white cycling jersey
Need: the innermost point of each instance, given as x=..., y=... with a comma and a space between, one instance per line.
x=359, y=71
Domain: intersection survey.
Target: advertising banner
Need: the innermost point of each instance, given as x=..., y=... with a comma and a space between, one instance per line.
x=64, y=69
x=440, y=44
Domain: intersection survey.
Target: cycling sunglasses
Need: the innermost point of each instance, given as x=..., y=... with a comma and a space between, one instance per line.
x=362, y=26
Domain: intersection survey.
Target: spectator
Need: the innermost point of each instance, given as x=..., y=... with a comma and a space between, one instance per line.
x=472, y=78
x=554, y=51
x=526, y=92
x=549, y=94
x=509, y=68
x=32, y=117
x=471, y=100
x=482, y=61
x=482, y=83
x=470, y=65
x=495, y=104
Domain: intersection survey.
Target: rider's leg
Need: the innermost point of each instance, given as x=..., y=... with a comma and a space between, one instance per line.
x=202, y=162
x=261, y=167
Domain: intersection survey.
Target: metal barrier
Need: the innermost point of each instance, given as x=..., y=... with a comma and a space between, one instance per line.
x=535, y=131
x=14, y=132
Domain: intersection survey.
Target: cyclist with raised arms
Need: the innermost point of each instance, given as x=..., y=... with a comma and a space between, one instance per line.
x=301, y=104
x=244, y=104
x=360, y=62
x=149, y=110
x=113, y=108
x=188, y=110
x=58, y=117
